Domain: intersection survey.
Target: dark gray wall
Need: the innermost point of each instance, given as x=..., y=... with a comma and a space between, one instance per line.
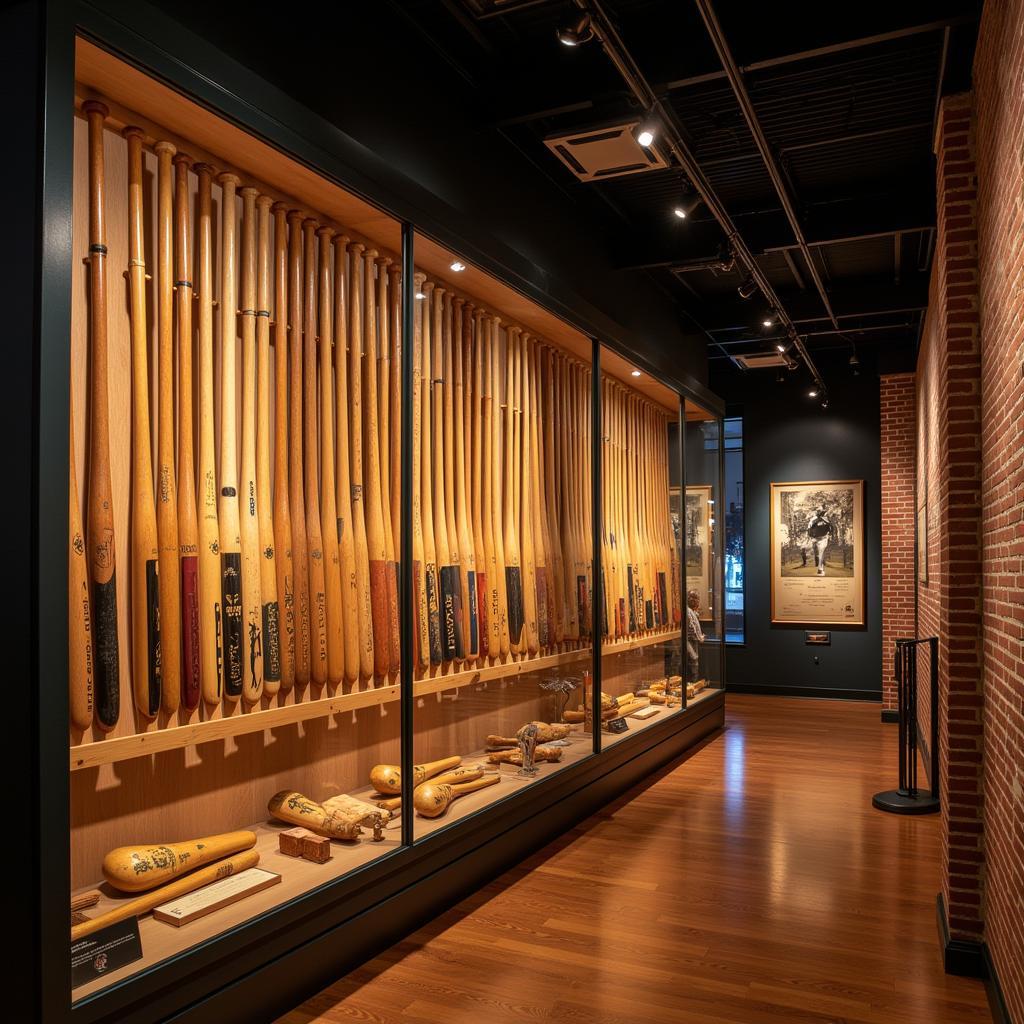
x=369, y=71
x=787, y=436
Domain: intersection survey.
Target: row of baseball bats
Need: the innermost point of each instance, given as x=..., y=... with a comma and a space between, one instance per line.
x=265, y=541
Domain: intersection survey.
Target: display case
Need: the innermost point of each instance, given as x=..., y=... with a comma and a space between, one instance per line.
x=375, y=563
x=702, y=531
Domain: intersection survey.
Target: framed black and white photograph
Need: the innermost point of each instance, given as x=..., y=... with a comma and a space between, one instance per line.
x=817, y=546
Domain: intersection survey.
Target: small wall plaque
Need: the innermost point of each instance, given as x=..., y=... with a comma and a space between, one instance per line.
x=818, y=637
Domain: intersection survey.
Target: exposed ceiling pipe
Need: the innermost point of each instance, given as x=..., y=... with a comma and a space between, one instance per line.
x=739, y=88
x=674, y=140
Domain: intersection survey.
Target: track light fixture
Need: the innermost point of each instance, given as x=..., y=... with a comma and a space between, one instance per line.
x=686, y=207
x=747, y=288
x=646, y=132
x=780, y=347
x=813, y=393
x=824, y=403
x=579, y=32
x=768, y=321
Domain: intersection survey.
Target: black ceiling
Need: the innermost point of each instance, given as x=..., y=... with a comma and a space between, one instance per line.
x=846, y=100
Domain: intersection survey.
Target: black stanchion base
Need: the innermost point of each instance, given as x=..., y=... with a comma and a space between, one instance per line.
x=899, y=801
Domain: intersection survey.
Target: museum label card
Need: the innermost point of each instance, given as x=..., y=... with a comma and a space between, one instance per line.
x=194, y=905
x=104, y=951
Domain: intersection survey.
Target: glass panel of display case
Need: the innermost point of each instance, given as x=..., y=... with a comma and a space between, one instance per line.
x=702, y=536
x=234, y=526
x=502, y=541
x=642, y=613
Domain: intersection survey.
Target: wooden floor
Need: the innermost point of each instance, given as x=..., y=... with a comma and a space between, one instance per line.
x=752, y=882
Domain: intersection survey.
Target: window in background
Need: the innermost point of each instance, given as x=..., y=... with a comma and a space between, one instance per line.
x=734, y=564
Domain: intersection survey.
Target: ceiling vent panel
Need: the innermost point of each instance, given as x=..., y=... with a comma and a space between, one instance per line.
x=761, y=360
x=600, y=153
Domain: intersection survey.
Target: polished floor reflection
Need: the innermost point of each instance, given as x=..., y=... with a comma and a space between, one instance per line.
x=751, y=882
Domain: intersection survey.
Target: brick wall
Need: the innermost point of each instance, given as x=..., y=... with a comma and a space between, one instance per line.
x=948, y=385
x=999, y=115
x=898, y=440
x=970, y=466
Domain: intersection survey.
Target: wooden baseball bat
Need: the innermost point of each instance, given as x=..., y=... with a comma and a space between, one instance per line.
x=188, y=519
x=189, y=883
x=367, y=639
x=537, y=504
x=427, y=451
x=500, y=591
x=328, y=484
x=462, y=348
x=99, y=542
x=563, y=475
x=451, y=333
x=388, y=321
x=169, y=575
x=376, y=546
x=81, y=683
x=513, y=567
x=473, y=476
x=524, y=502
x=227, y=505
x=138, y=868
x=343, y=490
x=432, y=801
x=387, y=778
x=282, y=510
x=146, y=677
x=211, y=617
x=485, y=475
x=420, y=614
x=249, y=523
x=318, y=627
x=450, y=594
x=392, y=445
x=270, y=609
x=296, y=493
x=550, y=500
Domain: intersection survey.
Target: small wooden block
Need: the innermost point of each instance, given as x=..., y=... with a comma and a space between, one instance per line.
x=290, y=842
x=213, y=897
x=316, y=848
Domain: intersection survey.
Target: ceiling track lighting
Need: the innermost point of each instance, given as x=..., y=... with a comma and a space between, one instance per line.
x=747, y=287
x=685, y=208
x=579, y=32
x=646, y=132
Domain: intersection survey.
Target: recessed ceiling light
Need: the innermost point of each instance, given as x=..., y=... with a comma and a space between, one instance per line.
x=457, y=266
x=636, y=373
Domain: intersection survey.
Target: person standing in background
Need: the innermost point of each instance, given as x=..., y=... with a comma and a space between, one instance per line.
x=694, y=636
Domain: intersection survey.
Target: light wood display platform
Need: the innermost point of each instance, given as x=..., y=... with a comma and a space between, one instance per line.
x=298, y=877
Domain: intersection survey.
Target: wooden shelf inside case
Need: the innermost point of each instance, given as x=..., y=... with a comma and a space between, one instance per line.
x=124, y=748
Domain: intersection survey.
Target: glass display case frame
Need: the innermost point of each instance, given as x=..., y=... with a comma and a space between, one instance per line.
x=310, y=939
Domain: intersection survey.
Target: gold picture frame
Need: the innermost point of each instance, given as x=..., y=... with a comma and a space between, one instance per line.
x=697, y=544
x=817, y=553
